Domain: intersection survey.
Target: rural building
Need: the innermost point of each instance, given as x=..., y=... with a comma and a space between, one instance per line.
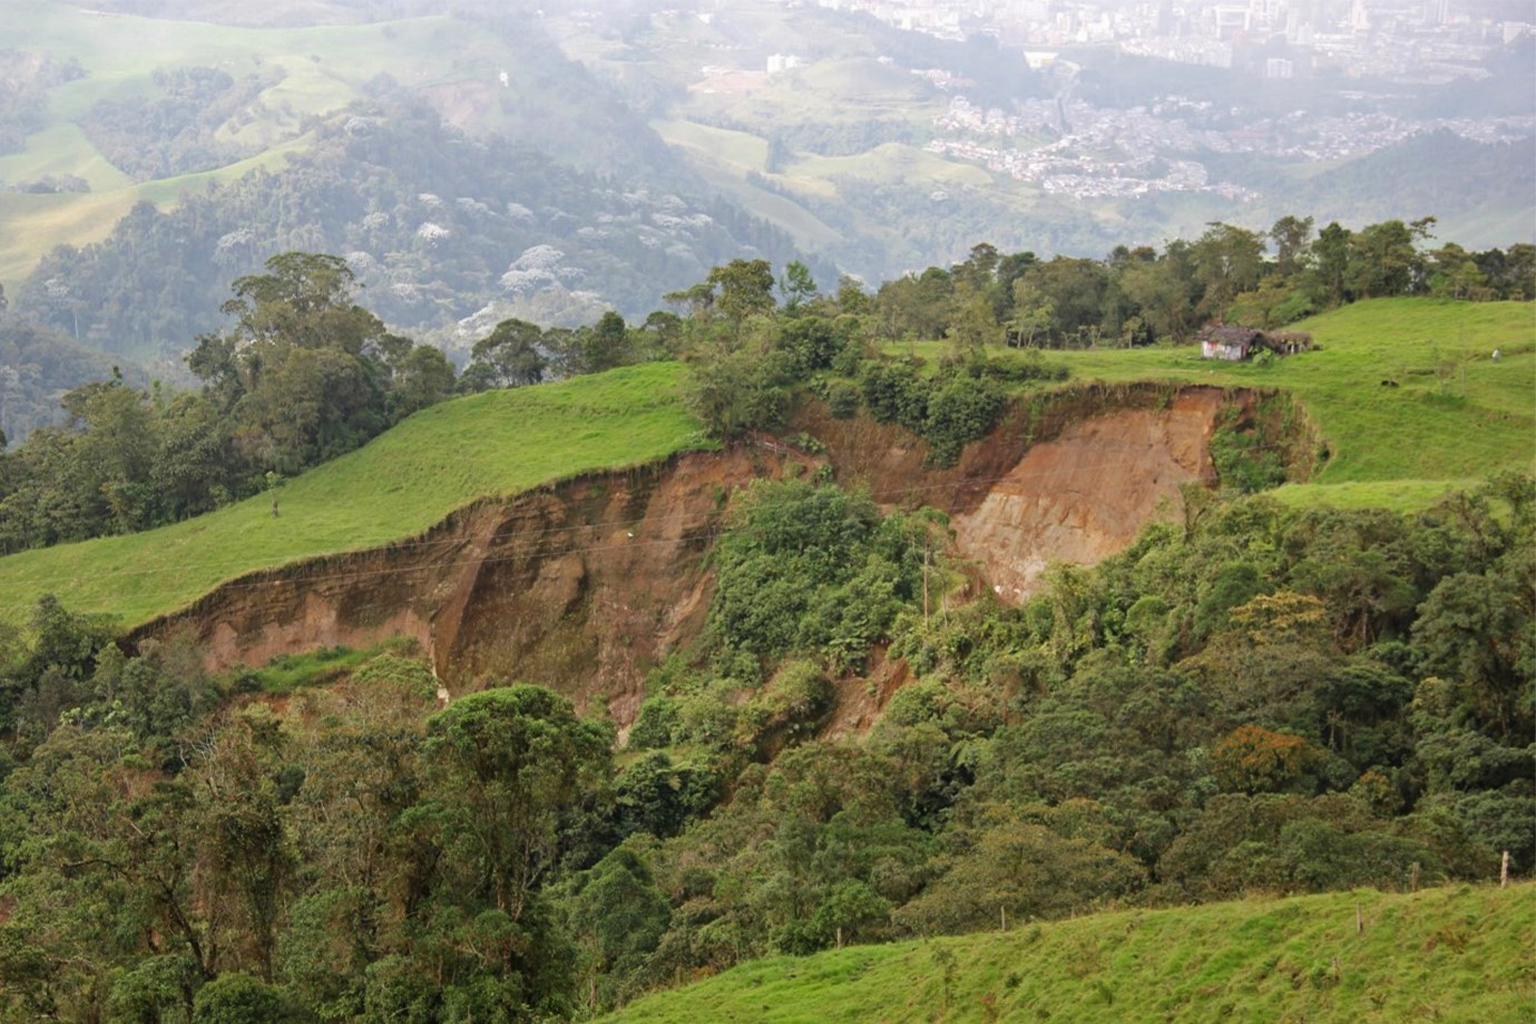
x=1230, y=343
x=1235, y=344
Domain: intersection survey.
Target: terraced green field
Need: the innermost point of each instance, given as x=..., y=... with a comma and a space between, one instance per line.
x=1455, y=417
x=499, y=442
x=1453, y=954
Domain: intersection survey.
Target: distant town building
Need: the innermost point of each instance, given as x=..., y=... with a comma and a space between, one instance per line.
x=1278, y=67
x=779, y=62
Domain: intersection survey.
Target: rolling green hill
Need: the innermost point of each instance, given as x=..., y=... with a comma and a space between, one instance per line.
x=1396, y=446
x=1454, y=954
x=498, y=442
x=1455, y=416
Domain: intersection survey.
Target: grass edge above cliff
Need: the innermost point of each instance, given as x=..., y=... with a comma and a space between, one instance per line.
x=405, y=481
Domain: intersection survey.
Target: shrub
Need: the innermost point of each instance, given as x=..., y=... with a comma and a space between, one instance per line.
x=811, y=342
x=1243, y=463
x=960, y=410
x=734, y=393
x=842, y=400
x=895, y=394
x=656, y=724
x=808, y=569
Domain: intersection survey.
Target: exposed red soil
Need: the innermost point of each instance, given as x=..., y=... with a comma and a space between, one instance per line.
x=585, y=585
x=1073, y=480
x=582, y=586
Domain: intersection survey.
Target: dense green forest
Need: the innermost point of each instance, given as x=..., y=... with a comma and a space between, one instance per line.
x=1252, y=699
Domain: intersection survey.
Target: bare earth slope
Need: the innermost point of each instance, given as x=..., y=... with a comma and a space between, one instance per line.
x=585, y=584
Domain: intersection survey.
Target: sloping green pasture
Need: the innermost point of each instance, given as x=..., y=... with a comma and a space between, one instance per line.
x=1453, y=954
x=495, y=443
x=1455, y=416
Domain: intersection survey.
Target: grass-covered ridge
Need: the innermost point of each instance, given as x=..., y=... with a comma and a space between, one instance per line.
x=494, y=443
x=1397, y=446
x=1452, y=954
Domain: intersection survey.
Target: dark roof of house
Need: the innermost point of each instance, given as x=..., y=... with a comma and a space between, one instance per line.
x=1229, y=335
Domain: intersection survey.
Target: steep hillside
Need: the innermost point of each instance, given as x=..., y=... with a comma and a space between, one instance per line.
x=499, y=442
x=1401, y=446
x=431, y=532
x=1455, y=954
x=591, y=582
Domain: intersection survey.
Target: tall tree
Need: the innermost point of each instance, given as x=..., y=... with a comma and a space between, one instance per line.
x=508, y=357
x=797, y=286
x=506, y=766
x=1291, y=235
x=745, y=289
x=1227, y=261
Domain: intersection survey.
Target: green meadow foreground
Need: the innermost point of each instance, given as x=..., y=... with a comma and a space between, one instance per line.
x=495, y=443
x=1461, y=953
x=1455, y=417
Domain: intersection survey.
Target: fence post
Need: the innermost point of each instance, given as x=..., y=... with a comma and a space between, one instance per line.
x=1504, y=872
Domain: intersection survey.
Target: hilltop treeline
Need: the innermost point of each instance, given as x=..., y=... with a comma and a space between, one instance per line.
x=1251, y=699
x=1140, y=296
x=302, y=375
x=306, y=373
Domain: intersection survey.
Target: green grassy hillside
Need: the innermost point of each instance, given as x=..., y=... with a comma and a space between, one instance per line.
x=499, y=442
x=1400, y=447
x=1456, y=416
x=1455, y=954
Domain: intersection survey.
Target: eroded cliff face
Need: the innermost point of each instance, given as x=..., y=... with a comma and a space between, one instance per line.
x=582, y=586
x=585, y=585
x=1074, y=480
x=1086, y=495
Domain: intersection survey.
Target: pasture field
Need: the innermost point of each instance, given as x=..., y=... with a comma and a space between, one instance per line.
x=1455, y=416
x=444, y=457
x=1454, y=954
